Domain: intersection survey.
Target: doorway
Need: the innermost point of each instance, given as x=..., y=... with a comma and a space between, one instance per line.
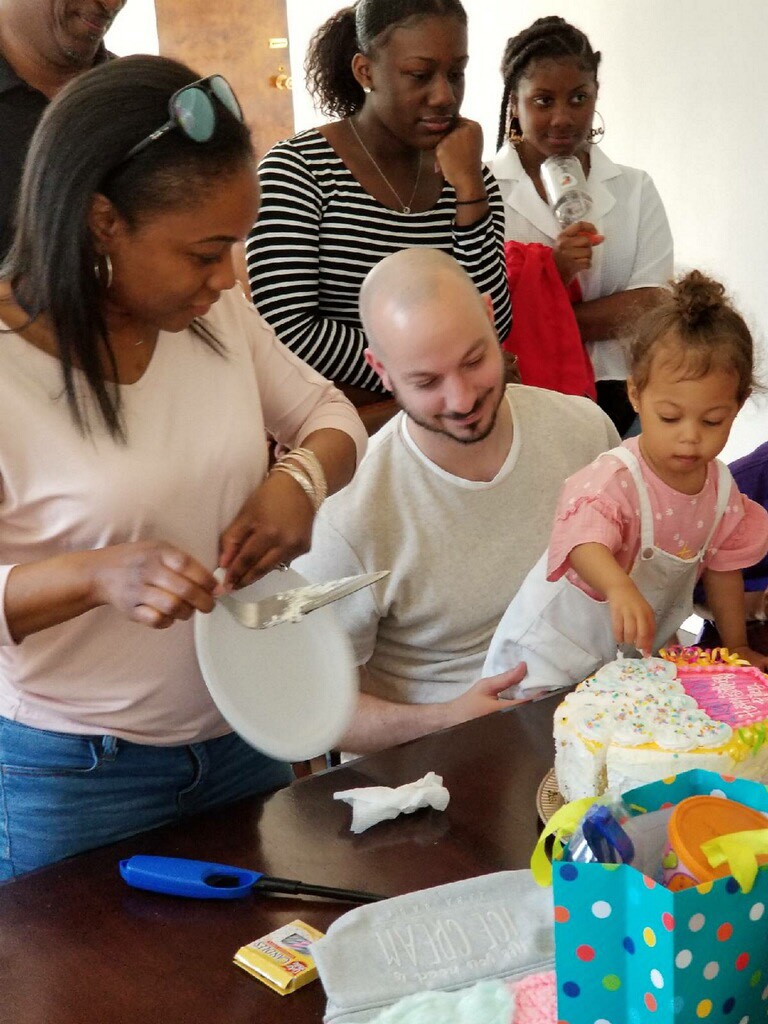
x=242, y=40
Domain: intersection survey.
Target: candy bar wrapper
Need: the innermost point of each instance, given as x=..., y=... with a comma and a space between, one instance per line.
x=281, y=959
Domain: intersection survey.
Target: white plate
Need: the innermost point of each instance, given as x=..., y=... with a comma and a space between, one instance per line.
x=289, y=690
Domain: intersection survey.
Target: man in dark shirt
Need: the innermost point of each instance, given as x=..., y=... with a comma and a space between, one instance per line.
x=43, y=45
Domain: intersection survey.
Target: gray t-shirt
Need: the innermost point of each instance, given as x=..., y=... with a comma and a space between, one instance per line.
x=457, y=549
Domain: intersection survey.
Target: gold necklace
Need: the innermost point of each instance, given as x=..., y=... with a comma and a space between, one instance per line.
x=406, y=207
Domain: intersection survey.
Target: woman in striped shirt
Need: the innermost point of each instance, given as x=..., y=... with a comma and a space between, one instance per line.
x=400, y=168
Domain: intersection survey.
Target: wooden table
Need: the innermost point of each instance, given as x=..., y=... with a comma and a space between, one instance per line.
x=78, y=946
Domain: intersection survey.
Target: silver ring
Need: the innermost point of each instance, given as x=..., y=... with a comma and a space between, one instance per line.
x=282, y=566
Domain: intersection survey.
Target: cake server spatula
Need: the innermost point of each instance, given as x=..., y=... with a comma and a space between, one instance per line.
x=293, y=605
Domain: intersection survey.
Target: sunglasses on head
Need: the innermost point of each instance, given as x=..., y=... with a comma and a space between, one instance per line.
x=191, y=109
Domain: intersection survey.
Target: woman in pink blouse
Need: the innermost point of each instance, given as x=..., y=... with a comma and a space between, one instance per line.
x=137, y=388
x=635, y=530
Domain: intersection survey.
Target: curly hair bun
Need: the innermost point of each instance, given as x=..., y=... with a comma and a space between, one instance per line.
x=698, y=299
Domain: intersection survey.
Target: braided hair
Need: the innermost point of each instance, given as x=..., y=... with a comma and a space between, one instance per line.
x=360, y=29
x=550, y=38
x=698, y=325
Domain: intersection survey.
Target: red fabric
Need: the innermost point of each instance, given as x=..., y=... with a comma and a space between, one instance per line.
x=545, y=336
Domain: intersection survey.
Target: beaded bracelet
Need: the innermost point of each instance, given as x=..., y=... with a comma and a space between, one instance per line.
x=471, y=202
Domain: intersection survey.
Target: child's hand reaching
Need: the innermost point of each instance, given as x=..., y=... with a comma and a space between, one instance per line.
x=632, y=617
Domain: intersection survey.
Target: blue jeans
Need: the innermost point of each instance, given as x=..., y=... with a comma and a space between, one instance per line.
x=61, y=794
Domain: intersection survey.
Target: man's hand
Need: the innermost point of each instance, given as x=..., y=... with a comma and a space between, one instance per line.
x=381, y=723
x=484, y=696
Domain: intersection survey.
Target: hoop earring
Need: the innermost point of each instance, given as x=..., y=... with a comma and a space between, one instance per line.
x=596, y=134
x=97, y=270
x=514, y=134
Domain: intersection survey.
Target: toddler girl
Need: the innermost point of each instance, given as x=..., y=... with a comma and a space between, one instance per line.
x=635, y=529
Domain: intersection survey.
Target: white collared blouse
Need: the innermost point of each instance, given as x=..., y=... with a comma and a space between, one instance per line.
x=627, y=209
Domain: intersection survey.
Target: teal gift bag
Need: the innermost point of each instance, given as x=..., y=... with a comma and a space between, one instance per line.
x=629, y=951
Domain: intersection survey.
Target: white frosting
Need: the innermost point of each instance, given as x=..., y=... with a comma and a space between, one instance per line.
x=631, y=712
x=628, y=704
x=641, y=670
x=293, y=603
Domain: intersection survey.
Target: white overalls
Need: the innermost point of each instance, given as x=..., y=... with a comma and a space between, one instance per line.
x=564, y=634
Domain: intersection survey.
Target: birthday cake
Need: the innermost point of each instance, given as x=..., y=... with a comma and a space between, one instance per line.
x=639, y=720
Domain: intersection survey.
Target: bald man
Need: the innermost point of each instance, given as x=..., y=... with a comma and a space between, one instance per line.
x=456, y=496
x=43, y=45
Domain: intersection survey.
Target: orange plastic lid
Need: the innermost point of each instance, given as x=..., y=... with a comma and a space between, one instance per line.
x=700, y=818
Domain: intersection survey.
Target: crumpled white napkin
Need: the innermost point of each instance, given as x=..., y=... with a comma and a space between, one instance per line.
x=372, y=804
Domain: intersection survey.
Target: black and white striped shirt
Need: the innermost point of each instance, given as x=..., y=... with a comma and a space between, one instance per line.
x=319, y=233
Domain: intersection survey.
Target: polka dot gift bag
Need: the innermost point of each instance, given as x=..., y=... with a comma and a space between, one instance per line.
x=628, y=950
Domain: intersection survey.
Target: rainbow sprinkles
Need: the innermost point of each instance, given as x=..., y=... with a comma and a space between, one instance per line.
x=638, y=720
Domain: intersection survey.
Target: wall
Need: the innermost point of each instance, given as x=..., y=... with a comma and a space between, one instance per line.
x=134, y=30
x=681, y=97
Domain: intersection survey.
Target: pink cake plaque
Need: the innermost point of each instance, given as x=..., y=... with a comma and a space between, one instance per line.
x=736, y=696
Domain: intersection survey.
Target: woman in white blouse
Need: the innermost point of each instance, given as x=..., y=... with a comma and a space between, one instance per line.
x=550, y=90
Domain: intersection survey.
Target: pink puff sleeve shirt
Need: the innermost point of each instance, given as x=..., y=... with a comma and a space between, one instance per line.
x=600, y=505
